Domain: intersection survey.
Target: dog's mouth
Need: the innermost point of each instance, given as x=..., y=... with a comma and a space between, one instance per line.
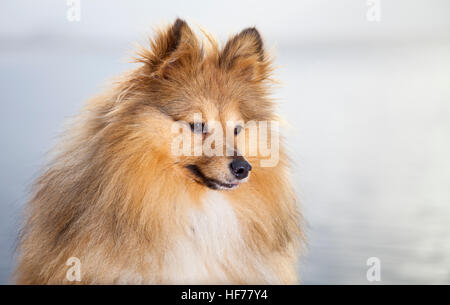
x=210, y=182
x=217, y=185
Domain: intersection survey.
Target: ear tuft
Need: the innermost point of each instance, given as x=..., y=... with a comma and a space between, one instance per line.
x=176, y=30
x=244, y=55
x=246, y=44
x=253, y=34
x=177, y=38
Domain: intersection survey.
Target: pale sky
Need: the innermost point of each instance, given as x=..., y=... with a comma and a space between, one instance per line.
x=281, y=21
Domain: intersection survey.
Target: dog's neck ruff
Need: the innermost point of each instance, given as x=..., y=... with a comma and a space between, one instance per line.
x=212, y=249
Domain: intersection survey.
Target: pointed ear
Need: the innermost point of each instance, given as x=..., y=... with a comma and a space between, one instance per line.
x=244, y=54
x=175, y=46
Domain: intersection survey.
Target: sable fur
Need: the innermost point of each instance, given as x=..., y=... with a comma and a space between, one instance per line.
x=115, y=197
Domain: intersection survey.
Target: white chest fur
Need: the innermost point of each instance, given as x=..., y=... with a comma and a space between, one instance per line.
x=214, y=225
x=212, y=250
x=211, y=240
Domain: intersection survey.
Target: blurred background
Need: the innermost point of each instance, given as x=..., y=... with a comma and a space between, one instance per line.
x=365, y=87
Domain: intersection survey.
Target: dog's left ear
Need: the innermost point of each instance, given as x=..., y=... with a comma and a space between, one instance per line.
x=244, y=55
x=172, y=49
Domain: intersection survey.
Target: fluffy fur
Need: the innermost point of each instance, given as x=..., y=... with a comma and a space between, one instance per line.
x=116, y=198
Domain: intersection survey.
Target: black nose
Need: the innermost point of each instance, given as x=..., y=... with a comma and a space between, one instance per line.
x=240, y=168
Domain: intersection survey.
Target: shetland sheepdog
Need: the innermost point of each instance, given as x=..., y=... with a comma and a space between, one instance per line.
x=116, y=205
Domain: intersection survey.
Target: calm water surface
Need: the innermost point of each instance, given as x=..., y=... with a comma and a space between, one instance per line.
x=369, y=132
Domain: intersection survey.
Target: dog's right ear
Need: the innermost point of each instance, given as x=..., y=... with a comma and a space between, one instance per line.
x=244, y=54
x=175, y=47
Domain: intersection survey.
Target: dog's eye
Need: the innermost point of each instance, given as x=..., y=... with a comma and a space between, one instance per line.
x=198, y=127
x=238, y=129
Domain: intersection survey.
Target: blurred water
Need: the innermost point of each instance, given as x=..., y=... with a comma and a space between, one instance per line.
x=368, y=106
x=40, y=90
x=369, y=134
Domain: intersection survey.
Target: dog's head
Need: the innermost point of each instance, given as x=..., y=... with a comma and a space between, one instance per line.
x=211, y=93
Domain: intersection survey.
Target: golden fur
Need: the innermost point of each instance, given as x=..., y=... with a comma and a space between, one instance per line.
x=116, y=198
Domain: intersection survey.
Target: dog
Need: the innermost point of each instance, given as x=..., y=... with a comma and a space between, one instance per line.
x=116, y=202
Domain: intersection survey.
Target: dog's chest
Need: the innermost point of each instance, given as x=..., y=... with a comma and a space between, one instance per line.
x=212, y=239
x=213, y=225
